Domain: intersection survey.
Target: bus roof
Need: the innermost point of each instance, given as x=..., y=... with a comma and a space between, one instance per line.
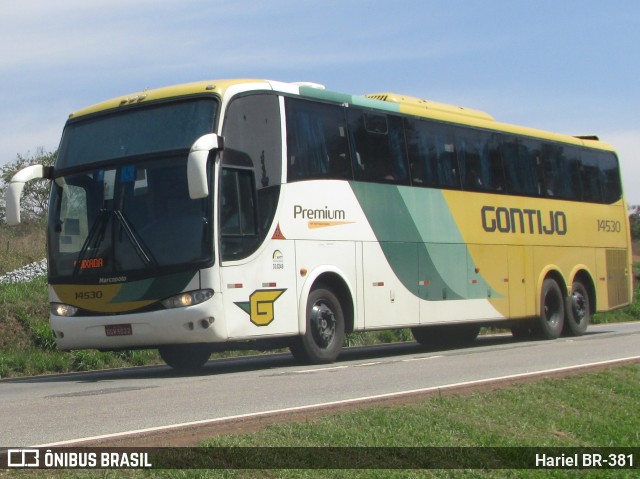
x=391, y=102
x=175, y=91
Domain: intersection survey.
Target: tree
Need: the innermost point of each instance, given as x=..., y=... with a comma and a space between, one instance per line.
x=35, y=196
x=634, y=221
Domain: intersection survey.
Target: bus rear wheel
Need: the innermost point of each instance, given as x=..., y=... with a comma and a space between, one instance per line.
x=551, y=319
x=322, y=341
x=185, y=357
x=578, y=310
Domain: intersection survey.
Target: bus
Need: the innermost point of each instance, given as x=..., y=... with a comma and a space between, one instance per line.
x=261, y=214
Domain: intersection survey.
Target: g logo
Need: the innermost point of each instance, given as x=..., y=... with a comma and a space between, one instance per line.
x=260, y=306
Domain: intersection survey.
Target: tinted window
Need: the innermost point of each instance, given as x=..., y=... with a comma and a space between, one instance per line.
x=252, y=128
x=479, y=161
x=136, y=131
x=573, y=167
x=432, y=154
x=386, y=148
x=317, y=145
x=522, y=165
x=610, y=177
x=253, y=139
x=378, y=148
x=590, y=175
x=561, y=167
x=238, y=231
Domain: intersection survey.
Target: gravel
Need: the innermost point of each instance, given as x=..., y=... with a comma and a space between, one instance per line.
x=26, y=273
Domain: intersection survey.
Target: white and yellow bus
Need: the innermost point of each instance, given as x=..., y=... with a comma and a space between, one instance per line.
x=223, y=214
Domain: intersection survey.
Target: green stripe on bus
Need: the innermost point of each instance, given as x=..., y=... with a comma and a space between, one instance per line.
x=336, y=97
x=401, y=220
x=326, y=95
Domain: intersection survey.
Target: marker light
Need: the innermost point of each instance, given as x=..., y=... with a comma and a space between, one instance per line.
x=66, y=310
x=187, y=299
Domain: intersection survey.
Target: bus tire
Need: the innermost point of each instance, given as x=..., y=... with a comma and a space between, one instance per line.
x=551, y=319
x=185, y=357
x=578, y=310
x=425, y=336
x=322, y=341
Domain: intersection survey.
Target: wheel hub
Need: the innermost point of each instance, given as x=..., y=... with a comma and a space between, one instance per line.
x=579, y=306
x=324, y=324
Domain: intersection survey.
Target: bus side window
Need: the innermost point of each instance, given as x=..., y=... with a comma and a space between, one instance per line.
x=253, y=148
x=573, y=168
x=479, y=160
x=561, y=171
x=432, y=154
x=591, y=181
x=610, y=177
x=448, y=171
x=378, y=147
x=492, y=165
x=522, y=165
x=252, y=126
x=422, y=158
x=238, y=231
x=317, y=144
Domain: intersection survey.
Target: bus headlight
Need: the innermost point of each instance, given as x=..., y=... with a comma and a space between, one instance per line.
x=187, y=299
x=66, y=310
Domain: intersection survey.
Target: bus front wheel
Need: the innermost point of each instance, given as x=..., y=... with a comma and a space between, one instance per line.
x=185, y=357
x=322, y=341
x=551, y=320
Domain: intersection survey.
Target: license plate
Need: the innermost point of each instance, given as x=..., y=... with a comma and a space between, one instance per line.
x=118, y=330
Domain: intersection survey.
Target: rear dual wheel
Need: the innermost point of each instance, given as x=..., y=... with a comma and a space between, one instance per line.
x=551, y=319
x=558, y=314
x=578, y=310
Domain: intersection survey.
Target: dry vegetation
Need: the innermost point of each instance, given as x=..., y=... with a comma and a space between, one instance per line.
x=21, y=245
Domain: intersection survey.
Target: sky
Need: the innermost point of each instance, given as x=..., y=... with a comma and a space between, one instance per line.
x=566, y=66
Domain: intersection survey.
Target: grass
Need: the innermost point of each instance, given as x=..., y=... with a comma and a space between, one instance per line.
x=27, y=345
x=20, y=245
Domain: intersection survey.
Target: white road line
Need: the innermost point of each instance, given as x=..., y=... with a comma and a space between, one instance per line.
x=422, y=359
x=306, y=371
x=333, y=403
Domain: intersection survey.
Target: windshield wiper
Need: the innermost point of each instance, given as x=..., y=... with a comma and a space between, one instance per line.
x=141, y=250
x=94, y=239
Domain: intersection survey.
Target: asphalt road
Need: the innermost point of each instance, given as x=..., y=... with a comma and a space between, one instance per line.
x=58, y=409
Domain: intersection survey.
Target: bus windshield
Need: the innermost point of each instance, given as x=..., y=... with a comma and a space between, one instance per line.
x=129, y=215
x=140, y=131
x=135, y=218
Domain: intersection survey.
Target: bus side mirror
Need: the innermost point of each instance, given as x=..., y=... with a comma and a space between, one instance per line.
x=16, y=185
x=197, y=164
